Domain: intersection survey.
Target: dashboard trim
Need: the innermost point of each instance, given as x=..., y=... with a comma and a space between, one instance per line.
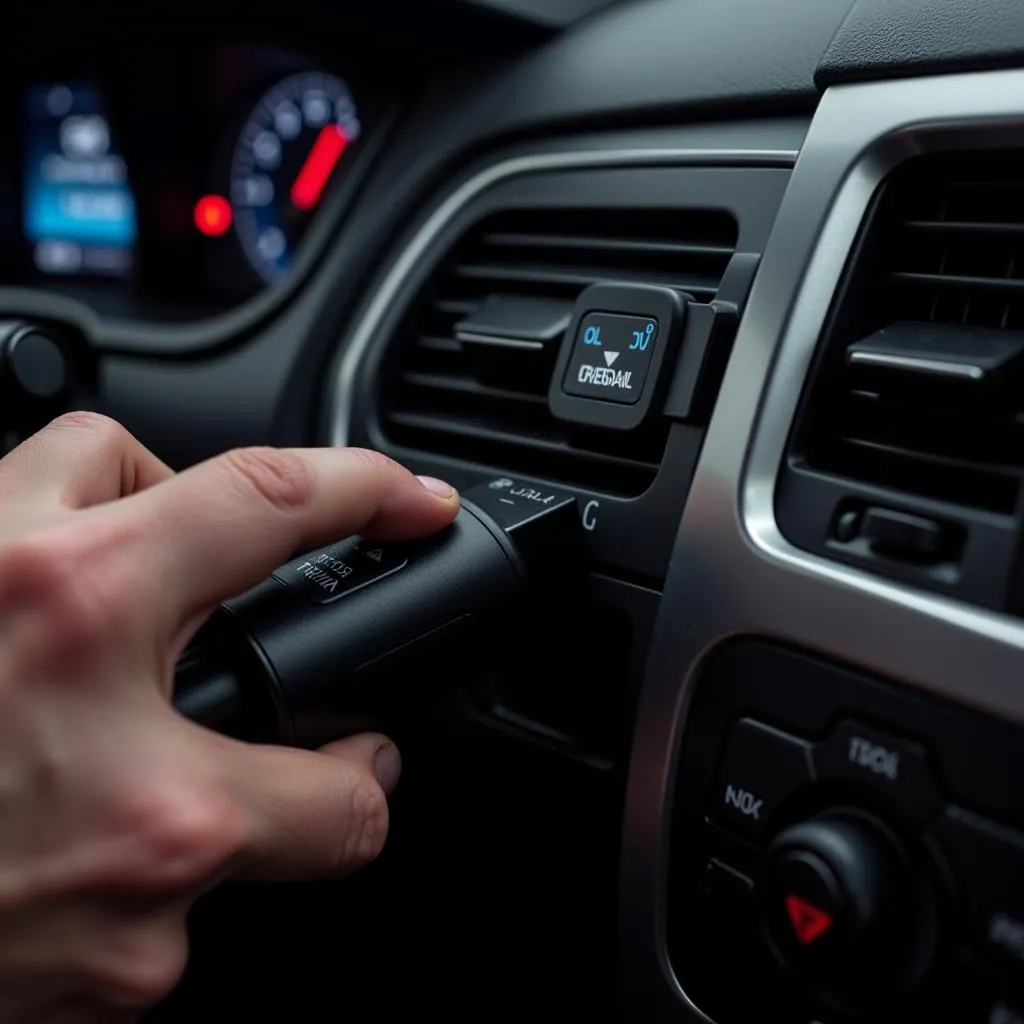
x=364, y=333
x=732, y=572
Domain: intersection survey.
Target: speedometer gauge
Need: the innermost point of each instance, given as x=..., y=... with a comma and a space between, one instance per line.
x=285, y=156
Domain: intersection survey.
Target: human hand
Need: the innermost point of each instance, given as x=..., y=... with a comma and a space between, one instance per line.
x=115, y=812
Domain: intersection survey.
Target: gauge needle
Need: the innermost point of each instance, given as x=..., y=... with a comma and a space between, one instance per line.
x=326, y=152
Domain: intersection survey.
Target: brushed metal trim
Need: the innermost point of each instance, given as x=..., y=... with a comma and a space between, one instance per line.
x=366, y=329
x=732, y=571
x=936, y=367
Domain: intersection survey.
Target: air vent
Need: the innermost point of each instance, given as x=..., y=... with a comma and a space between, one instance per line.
x=920, y=387
x=481, y=395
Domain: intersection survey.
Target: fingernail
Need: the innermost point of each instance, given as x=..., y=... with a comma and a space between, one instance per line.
x=435, y=486
x=387, y=766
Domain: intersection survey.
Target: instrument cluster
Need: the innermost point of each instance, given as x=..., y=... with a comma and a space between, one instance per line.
x=172, y=186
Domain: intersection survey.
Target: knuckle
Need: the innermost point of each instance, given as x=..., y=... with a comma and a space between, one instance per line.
x=374, y=460
x=281, y=478
x=103, y=428
x=368, y=825
x=71, y=579
x=141, y=966
x=179, y=835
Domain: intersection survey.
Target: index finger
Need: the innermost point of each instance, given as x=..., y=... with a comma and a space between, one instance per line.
x=218, y=528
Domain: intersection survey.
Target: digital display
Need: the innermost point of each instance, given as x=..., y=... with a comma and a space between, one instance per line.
x=79, y=213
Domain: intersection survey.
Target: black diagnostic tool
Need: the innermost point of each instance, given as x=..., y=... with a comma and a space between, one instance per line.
x=342, y=638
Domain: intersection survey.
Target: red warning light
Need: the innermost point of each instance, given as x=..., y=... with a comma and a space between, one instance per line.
x=213, y=215
x=808, y=921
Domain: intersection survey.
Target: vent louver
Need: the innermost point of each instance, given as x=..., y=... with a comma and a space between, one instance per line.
x=920, y=390
x=448, y=393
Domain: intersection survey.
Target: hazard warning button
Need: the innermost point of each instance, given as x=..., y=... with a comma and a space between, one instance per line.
x=809, y=922
x=833, y=894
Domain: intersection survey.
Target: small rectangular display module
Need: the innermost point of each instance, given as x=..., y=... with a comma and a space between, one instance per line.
x=78, y=213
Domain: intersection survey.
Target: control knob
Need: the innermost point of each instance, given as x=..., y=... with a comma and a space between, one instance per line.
x=34, y=367
x=839, y=901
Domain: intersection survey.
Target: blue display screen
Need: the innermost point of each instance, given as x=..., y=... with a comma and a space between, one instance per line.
x=78, y=213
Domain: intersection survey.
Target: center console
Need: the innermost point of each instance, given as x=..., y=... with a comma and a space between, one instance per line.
x=852, y=850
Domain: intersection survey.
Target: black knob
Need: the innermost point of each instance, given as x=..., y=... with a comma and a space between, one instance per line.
x=34, y=366
x=839, y=901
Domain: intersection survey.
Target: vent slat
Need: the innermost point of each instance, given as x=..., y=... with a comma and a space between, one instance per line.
x=946, y=246
x=455, y=307
x=965, y=227
x=937, y=461
x=450, y=425
x=964, y=281
x=522, y=240
x=579, y=277
x=469, y=386
x=939, y=428
x=487, y=405
x=434, y=343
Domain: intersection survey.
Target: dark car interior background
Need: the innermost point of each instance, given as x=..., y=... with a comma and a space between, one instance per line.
x=740, y=282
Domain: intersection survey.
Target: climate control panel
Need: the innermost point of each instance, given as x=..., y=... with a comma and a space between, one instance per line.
x=844, y=849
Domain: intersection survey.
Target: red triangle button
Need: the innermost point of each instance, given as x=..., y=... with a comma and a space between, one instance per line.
x=809, y=922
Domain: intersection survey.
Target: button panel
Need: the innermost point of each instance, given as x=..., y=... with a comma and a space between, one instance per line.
x=882, y=834
x=988, y=862
x=761, y=769
x=729, y=896
x=895, y=767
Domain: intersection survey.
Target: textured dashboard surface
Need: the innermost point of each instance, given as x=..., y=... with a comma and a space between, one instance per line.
x=640, y=58
x=889, y=38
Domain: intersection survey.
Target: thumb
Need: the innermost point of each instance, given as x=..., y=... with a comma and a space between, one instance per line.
x=314, y=814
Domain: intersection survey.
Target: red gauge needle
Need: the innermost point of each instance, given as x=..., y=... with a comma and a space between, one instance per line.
x=326, y=152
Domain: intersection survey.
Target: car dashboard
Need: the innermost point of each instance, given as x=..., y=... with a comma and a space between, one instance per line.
x=744, y=280
x=167, y=186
